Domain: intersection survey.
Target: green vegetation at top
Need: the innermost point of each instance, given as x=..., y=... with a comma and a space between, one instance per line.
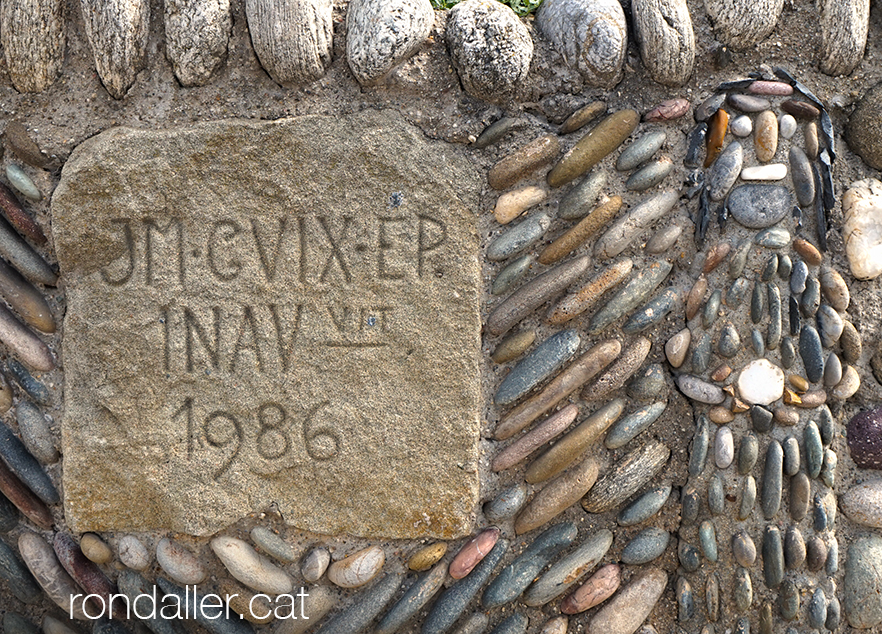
x=521, y=7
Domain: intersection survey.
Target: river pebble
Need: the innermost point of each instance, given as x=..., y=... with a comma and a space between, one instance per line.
x=766, y=136
x=707, y=538
x=583, y=116
x=830, y=325
x=36, y=432
x=566, y=572
x=758, y=206
x=513, y=346
x=742, y=590
x=700, y=390
x=862, y=503
x=626, y=477
x=649, y=175
x=746, y=497
x=677, y=346
x=770, y=498
x=741, y=126
x=645, y=506
x=761, y=418
x=622, y=232
x=509, y=276
x=716, y=495
x=860, y=230
x=648, y=384
x=725, y=171
x=748, y=452
x=20, y=180
x=850, y=342
x=252, y=569
x=773, y=238
x=18, y=578
x=358, y=568
x=816, y=554
x=557, y=496
x=801, y=174
x=632, y=605
x=743, y=549
x=414, y=599
x=698, y=450
x=595, y=591
x=473, y=552
x=770, y=172
x=179, y=563
x=861, y=600
x=580, y=301
x=800, y=109
x=729, y=343
x=668, y=110
x=696, y=296
x=47, y=571
x=761, y=382
x=497, y=130
x=273, y=545
x=812, y=353
x=579, y=200
x=619, y=371
x=512, y=204
x=507, y=503
x=542, y=362
x=724, y=448
x=577, y=235
x=787, y=125
x=523, y=161
x=747, y=103
x=518, y=238
x=773, y=557
x=641, y=150
x=646, y=546
x=525, y=445
x=800, y=496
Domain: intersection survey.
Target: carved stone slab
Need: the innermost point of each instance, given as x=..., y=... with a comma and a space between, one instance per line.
x=270, y=313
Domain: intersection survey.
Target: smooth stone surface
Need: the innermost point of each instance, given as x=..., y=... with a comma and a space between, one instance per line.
x=729, y=343
x=548, y=357
x=770, y=497
x=36, y=432
x=497, y=130
x=518, y=238
x=773, y=557
x=862, y=228
x=25, y=466
x=512, y=204
x=648, y=384
x=816, y=554
x=850, y=341
x=725, y=171
x=700, y=390
x=645, y=506
x=580, y=199
x=761, y=382
x=629, y=427
x=800, y=493
x=622, y=232
x=557, y=496
x=791, y=456
x=746, y=497
x=757, y=206
x=712, y=309
x=619, y=371
x=133, y=553
x=707, y=538
x=794, y=548
x=724, y=448
x=748, y=452
x=47, y=571
x=832, y=370
x=646, y=546
x=742, y=590
x=273, y=545
x=594, y=146
x=507, y=503
x=513, y=346
x=830, y=325
x=741, y=126
x=761, y=418
x=677, y=346
x=814, y=449
x=766, y=136
x=591, y=35
x=324, y=417
x=511, y=274
x=179, y=563
x=862, y=503
x=773, y=238
x=632, y=605
x=770, y=172
x=490, y=48
x=834, y=288
x=787, y=126
x=649, y=175
x=358, y=568
x=20, y=180
x=414, y=599
x=801, y=173
x=315, y=564
x=716, y=495
x=812, y=353
x=747, y=103
x=699, y=448
x=737, y=292
x=743, y=549
x=641, y=150
x=569, y=569
x=583, y=116
x=523, y=161
x=689, y=556
x=252, y=569
x=596, y=590
x=861, y=600
x=535, y=438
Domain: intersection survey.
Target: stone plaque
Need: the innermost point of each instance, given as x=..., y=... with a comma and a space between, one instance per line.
x=271, y=313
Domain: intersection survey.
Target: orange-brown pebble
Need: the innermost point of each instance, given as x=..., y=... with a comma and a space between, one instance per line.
x=576, y=236
x=720, y=415
x=766, y=136
x=717, y=127
x=595, y=591
x=557, y=496
x=800, y=384
x=739, y=406
x=730, y=390
x=808, y=252
x=811, y=400
x=523, y=161
x=512, y=204
x=577, y=303
x=786, y=416
x=715, y=255
x=426, y=557
x=513, y=346
x=721, y=373
x=791, y=397
x=696, y=297
x=473, y=552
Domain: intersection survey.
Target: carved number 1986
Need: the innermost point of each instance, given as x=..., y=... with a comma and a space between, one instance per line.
x=271, y=436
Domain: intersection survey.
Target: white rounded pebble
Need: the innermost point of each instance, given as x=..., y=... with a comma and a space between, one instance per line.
x=132, y=553
x=246, y=565
x=761, y=382
x=357, y=569
x=724, y=447
x=862, y=229
x=179, y=563
x=770, y=172
x=786, y=126
x=741, y=126
x=315, y=564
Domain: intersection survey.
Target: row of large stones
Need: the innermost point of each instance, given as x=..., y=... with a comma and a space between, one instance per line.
x=489, y=45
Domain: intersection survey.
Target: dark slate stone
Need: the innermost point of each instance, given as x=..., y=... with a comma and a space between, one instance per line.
x=819, y=514
x=812, y=353
x=826, y=424
x=716, y=497
x=507, y=503
x=707, y=538
x=785, y=266
x=220, y=625
x=811, y=297
x=757, y=343
x=690, y=557
x=814, y=449
x=652, y=313
x=801, y=175
x=364, y=608
x=769, y=269
x=712, y=308
x=685, y=600
x=730, y=343
x=757, y=303
x=25, y=466
x=791, y=456
x=788, y=600
x=761, y=418
x=770, y=497
x=864, y=433
x=774, y=331
x=795, y=316
x=773, y=557
x=691, y=503
x=19, y=579
x=413, y=600
x=511, y=275
x=9, y=516
x=788, y=353
x=645, y=506
x=737, y=292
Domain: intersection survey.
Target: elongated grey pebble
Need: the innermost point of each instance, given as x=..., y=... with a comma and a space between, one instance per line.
x=625, y=229
x=689, y=556
x=475, y=624
x=773, y=333
x=826, y=425
x=830, y=325
x=746, y=497
x=690, y=502
x=646, y=546
x=834, y=614
x=511, y=274
x=533, y=294
x=757, y=206
x=273, y=545
x=645, y=506
x=712, y=309
x=724, y=447
x=785, y=266
x=663, y=239
x=800, y=496
x=641, y=150
x=716, y=495
x=516, y=576
x=512, y=624
x=653, y=312
x=580, y=199
x=649, y=175
x=626, y=477
x=453, y=602
x=769, y=269
x=788, y=352
x=743, y=549
x=494, y=132
x=630, y=296
x=832, y=370
x=798, y=277
x=828, y=469
x=738, y=259
x=9, y=516
x=812, y=353
x=810, y=299
x=34, y=388
x=685, y=600
x=18, y=578
x=773, y=557
x=730, y=343
x=801, y=174
x=788, y=600
x=737, y=292
x=742, y=590
x=773, y=238
x=770, y=498
x=633, y=424
x=817, y=609
x=222, y=625
x=712, y=598
x=25, y=466
x=791, y=456
x=566, y=572
x=748, y=452
x=748, y=103
x=648, y=384
x=725, y=171
x=819, y=515
x=707, y=538
x=19, y=179
x=515, y=239
x=814, y=450
x=831, y=566
x=542, y=362
x=757, y=343
x=414, y=599
x=698, y=450
x=132, y=585
x=700, y=390
x=507, y=503
x=36, y=433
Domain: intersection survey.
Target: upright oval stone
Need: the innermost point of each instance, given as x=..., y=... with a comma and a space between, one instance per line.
x=758, y=206
x=667, y=42
x=743, y=23
x=196, y=36
x=766, y=136
x=862, y=208
x=117, y=31
x=381, y=35
x=32, y=34
x=861, y=599
x=591, y=35
x=844, y=26
x=490, y=48
x=801, y=173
